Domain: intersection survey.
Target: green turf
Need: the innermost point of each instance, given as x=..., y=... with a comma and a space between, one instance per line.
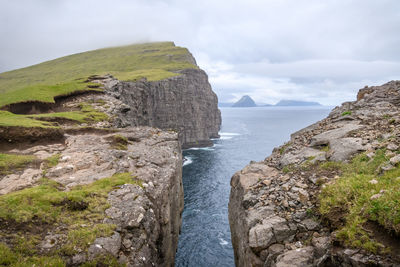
x=44, y=81
x=80, y=211
x=353, y=194
x=9, y=119
x=9, y=162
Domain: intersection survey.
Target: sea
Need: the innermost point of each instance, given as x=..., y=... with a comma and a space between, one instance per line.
x=246, y=134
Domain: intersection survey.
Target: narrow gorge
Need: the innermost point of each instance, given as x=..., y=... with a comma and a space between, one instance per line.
x=90, y=155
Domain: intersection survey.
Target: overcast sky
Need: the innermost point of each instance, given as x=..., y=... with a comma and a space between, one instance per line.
x=317, y=50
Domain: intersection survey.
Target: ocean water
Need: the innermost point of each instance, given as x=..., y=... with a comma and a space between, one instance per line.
x=246, y=134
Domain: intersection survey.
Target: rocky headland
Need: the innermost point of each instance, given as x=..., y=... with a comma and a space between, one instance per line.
x=93, y=176
x=327, y=197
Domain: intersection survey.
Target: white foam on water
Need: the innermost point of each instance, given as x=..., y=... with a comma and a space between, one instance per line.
x=202, y=148
x=228, y=134
x=188, y=160
x=223, y=242
x=226, y=137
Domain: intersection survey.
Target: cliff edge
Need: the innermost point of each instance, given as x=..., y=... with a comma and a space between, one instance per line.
x=329, y=196
x=90, y=155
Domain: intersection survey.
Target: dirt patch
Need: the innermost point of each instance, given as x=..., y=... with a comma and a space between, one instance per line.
x=16, y=135
x=73, y=205
x=58, y=120
x=38, y=107
x=35, y=226
x=335, y=218
x=89, y=130
x=388, y=238
x=30, y=107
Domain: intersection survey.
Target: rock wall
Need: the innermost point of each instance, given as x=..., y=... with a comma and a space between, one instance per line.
x=184, y=103
x=147, y=216
x=273, y=206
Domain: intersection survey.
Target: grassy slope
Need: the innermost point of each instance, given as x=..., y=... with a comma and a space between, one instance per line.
x=353, y=194
x=81, y=212
x=42, y=82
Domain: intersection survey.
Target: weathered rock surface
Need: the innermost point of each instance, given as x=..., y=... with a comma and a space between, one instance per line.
x=147, y=219
x=271, y=200
x=147, y=123
x=184, y=103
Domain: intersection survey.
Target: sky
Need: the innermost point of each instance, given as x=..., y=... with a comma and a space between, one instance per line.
x=313, y=50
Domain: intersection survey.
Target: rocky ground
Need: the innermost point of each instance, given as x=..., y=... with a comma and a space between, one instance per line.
x=276, y=206
x=94, y=193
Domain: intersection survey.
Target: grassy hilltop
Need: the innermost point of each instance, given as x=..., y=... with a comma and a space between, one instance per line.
x=66, y=75
x=44, y=81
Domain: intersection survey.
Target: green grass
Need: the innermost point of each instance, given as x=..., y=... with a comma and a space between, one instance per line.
x=42, y=82
x=80, y=211
x=120, y=142
x=346, y=113
x=352, y=194
x=45, y=201
x=85, y=115
x=14, y=258
x=11, y=162
x=8, y=119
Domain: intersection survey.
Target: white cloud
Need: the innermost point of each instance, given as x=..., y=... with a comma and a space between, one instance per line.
x=269, y=49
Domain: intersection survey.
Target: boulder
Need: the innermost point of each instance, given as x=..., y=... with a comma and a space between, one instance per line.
x=344, y=148
x=302, y=257
x=326, y=137
x=302, y=155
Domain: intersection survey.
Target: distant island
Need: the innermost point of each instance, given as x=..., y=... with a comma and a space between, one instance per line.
x=247, y=101
x=296, y=103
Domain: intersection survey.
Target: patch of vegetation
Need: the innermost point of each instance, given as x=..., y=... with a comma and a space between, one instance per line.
x=325, y=148
x=52, y=161
x=82, y=236
x=8, y=119
x=289, y=168
x=87, y=114
x=42, y=82
x=14, y=258
x=346, y=113
x=120, y=142
x=42, y=92
x=47, y=200
x=81, y=212
x=11, y=162
x=353, y=193
x=283, y=148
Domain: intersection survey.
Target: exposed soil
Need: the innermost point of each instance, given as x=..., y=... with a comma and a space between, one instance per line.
x=16, y=135
x=388, y=238
x=38, y=107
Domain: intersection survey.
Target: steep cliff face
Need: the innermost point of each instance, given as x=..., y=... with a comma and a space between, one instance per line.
x=91, y=166
x=118, y=191
x=322, y=198
x=184, y=103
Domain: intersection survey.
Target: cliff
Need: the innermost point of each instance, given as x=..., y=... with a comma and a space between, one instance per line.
x=184, y=103
x=329, y=196
x=90, y=155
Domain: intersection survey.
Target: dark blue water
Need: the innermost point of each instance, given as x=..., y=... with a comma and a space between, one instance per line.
x=246, y=134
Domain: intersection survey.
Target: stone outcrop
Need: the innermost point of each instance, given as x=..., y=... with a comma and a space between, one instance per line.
x=147, y=218
x=184, y=103
x=273, y=207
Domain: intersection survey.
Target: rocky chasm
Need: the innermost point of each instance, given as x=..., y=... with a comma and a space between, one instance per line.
x=108, y=190
x=327, y=197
